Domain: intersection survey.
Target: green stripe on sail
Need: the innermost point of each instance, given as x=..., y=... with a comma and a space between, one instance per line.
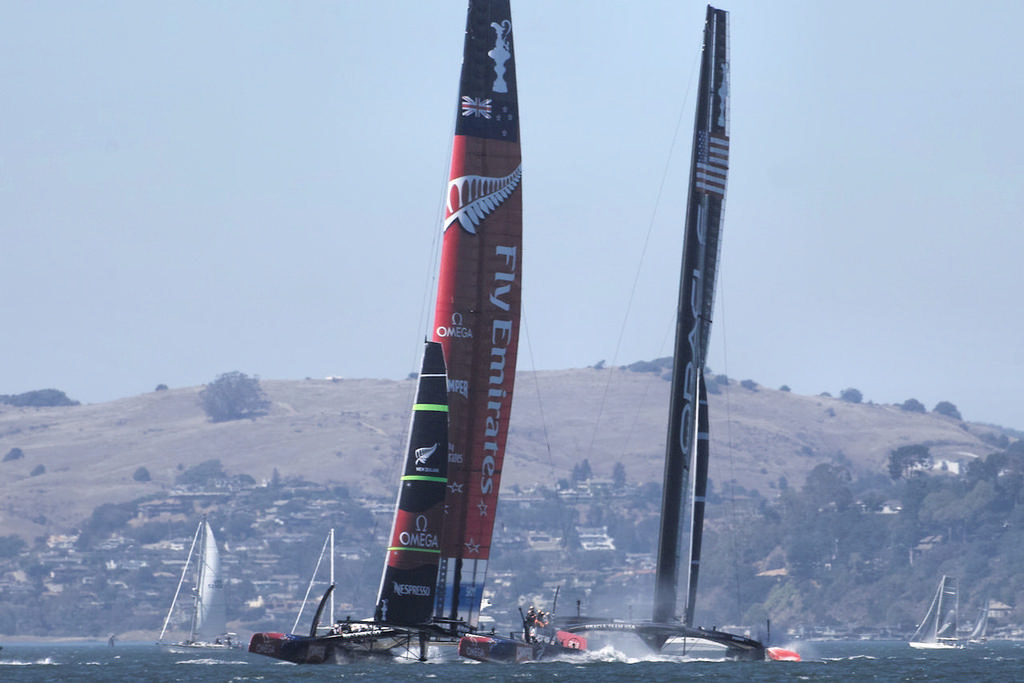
x=416, y=550
x=419, y=477
x=436, y=407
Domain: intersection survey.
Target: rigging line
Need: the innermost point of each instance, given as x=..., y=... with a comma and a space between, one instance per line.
x=733, y=513
x=188, y=561
x=434, y=264
x=643, y=253
x=634, y=423
x=430, y=278
x=525, y=334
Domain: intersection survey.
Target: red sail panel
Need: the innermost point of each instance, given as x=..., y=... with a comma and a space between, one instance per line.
x=478, y=301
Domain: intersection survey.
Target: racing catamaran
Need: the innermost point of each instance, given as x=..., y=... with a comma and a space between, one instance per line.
x=432, y=585
x=686, y=458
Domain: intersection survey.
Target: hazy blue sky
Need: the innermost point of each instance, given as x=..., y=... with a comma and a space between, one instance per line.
x=189, y=188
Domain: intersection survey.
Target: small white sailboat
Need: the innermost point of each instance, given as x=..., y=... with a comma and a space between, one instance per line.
x=979, y=634
x=938, y=630
x=208, y=624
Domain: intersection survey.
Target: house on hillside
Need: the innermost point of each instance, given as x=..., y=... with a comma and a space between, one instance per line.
x=595, y=538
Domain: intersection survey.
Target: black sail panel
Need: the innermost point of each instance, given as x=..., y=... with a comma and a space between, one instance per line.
x=406, y=595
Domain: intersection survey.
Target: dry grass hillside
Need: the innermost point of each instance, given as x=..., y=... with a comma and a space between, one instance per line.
x=352, y=432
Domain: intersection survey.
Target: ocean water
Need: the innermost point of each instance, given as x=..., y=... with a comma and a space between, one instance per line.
x=823, y=661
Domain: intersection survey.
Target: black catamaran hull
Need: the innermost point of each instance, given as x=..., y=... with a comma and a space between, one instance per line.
x=674, y=638
x=405, y=599
x=373, y=641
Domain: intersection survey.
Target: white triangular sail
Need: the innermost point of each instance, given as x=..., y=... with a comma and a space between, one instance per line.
x=210, y=620
x=938, y=629
x=981, y=625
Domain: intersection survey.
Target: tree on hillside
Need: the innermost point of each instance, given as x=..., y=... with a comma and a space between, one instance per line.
x=905, y=459
x=11, y=546
x=581, y=471
x=829, y=485
x=619, y=476
x=948, y=409
x=107, y=519
x=912, y=405
x=202, y=473
x=233, y=396
x=851, y=395
x=40, y=398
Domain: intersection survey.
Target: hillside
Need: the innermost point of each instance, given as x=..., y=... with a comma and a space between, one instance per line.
x=352, y=431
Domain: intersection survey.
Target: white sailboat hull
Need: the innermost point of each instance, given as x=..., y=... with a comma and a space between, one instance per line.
x=186, y=648
x=935, y=646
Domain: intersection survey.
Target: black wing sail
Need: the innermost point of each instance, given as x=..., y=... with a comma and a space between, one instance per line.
x=696, y=301
x=406, y=595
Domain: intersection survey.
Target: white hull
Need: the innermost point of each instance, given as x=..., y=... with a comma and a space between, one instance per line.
x=186, y=648
x=695, y=648
x=935, y=646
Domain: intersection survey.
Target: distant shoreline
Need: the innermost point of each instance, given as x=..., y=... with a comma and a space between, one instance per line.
x=129, y=639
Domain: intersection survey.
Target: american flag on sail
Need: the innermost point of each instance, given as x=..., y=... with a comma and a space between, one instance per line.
x=712, y=163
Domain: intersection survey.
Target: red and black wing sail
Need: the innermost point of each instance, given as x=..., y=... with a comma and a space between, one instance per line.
x=476, y=317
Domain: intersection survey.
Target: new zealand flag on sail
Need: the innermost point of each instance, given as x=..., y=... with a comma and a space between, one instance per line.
x=487, y=91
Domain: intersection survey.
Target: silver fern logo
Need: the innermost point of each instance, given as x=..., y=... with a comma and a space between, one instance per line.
x=423, y=454
x=471, y=198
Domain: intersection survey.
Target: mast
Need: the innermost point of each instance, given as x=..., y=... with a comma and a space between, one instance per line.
x=949, y=606
x=709, y=164
x=181, y=581
x=981, y=625
x=210, y=619
x=328, y=547
x=476, y=317
x=331, y=605
x=406, y=593
x=197, y=594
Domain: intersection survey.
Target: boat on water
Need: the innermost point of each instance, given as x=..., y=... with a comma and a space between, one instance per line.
x=208, y=622
x=539, y=640
x=435, y=567
x=403, y=617
x=938, y=630
x=687, y=455
x=979, y=634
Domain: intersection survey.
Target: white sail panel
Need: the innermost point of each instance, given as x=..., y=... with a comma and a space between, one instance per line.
x=211, y=605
